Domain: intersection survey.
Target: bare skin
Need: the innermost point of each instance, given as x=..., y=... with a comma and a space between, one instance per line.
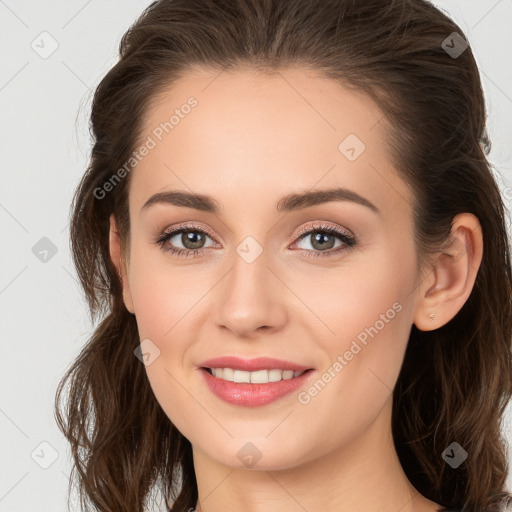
x=250, y=141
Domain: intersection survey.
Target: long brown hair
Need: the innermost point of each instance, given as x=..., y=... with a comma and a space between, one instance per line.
x=455, y=381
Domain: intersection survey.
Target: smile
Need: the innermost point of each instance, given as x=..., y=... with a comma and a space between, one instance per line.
x=254, y=389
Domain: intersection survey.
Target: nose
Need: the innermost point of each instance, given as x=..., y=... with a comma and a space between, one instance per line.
x=251, y=298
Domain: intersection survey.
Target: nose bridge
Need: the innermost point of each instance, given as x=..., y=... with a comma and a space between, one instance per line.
x=251, y=296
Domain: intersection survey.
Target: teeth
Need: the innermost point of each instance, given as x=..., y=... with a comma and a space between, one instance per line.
x=257, y=377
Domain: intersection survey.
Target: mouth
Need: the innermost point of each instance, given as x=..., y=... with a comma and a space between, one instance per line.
x=254, y=388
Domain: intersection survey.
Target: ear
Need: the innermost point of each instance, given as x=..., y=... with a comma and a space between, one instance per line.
x=449, y=282
x=120, y=264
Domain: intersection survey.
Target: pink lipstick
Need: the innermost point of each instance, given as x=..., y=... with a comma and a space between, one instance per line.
x=279, y=377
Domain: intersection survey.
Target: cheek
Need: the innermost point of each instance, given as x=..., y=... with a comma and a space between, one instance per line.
x=369, y=314
x=364, y=300
x=371, y=322
x=164, y=299
x=163, y=293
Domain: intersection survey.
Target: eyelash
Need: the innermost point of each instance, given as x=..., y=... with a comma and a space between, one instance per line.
x=348, y=240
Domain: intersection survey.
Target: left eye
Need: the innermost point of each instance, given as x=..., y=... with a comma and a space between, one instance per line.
x=323, y=240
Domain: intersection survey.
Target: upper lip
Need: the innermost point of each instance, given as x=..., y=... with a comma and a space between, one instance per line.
x=252, y=365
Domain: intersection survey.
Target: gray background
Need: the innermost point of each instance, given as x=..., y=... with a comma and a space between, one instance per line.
x=44, y=105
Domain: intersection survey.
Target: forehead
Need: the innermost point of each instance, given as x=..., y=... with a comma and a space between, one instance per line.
x=289, y=105
x=242, y=132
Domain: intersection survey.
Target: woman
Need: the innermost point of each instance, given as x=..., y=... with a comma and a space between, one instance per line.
x=293, y=236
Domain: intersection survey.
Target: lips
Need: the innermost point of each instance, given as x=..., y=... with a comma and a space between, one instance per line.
x=251, y=394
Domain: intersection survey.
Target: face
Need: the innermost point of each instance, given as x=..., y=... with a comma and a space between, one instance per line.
x=324, y=283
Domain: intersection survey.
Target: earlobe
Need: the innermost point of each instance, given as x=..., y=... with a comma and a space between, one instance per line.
x=451, y=278
x=119, y=263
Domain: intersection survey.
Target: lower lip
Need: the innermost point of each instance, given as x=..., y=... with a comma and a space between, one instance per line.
x=253, y=395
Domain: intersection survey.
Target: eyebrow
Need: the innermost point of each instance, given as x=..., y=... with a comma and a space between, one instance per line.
x=291, y=202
